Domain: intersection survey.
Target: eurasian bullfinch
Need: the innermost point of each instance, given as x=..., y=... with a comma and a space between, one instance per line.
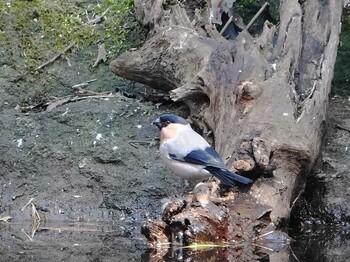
x=189, y=155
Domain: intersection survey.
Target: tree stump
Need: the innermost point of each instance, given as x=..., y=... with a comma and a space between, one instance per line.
x=264, y=98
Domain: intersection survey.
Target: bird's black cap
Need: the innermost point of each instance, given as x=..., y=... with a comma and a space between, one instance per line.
x=167, y=119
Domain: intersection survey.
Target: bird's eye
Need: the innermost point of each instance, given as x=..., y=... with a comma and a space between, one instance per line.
x=167, y=122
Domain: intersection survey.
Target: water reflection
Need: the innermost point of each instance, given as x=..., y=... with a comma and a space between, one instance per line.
x=105, y=242
x=321, y=244
x=228, y=253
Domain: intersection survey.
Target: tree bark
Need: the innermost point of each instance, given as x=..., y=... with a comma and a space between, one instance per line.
x=264, y=98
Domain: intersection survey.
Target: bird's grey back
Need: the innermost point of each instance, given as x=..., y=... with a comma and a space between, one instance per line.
x=186, y=141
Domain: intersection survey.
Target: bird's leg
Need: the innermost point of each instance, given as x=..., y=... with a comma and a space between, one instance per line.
x=228, y=197
x=215, y=195
x=202, y=194
x=214, y=188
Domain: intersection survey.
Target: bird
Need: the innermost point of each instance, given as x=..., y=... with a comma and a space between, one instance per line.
x=189, y=155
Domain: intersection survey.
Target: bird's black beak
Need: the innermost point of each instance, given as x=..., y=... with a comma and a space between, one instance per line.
x=158, y=123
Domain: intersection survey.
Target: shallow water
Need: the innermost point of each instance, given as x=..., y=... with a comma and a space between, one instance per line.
x=321, y=244
x=68, y=242
x=102, y=242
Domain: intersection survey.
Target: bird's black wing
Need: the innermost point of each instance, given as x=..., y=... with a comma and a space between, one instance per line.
x=213, y=163
x=207, y=157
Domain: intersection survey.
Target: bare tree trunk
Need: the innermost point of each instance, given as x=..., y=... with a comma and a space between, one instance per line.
x=264, y=98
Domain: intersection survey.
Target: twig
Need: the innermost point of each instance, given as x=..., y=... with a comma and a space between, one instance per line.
x=267, y=248
x=128, y=115
x=55, y=57
x=34, y=229
x=80, y=94
x=74, y=99
x=97, y=19
x=5, y=218
x=101, y=56
x=84, y=83
x=257, y=15
x=87, y=97
x=132, y=144
x=68, y=61
x=57, y=103
x=73, y=229
x=17, y=196
x=312, y=91
x=141, y=142
x=226, y=25
x=36, y=220
x=35, y=215
x=296, y=258
x=343, y=128
x=30, y=201
x=159, y=57
x=268, y=233
x=80, y=91
x=296, y=199
x=23, y=231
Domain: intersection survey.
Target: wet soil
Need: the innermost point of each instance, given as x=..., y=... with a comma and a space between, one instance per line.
x=100, y=151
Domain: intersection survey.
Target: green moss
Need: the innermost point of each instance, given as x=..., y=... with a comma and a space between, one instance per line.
x=341, y=80
x=4, y=38
x=248, y=8
x=45, y=27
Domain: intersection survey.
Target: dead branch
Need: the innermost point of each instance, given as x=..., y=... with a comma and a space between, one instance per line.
x=226, y=25
x=257, y=15
x=70, y=99
x=53, y=59
x=97, y=19
x=78, y=86
x=343, y=128
x=48, y=106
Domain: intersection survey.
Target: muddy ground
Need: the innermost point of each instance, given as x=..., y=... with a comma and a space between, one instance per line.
x=74, y=176
x=92, y=169
x=91, y=161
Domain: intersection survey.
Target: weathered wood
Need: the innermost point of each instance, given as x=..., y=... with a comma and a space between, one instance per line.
x=264, y=98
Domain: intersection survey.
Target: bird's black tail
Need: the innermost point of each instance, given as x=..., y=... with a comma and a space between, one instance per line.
x=227, y=177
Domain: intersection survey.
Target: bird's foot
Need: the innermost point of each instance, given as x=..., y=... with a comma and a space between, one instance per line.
x=228, y=197
x=210, y=191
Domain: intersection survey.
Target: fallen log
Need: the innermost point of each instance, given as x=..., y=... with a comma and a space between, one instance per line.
x=264, y=98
